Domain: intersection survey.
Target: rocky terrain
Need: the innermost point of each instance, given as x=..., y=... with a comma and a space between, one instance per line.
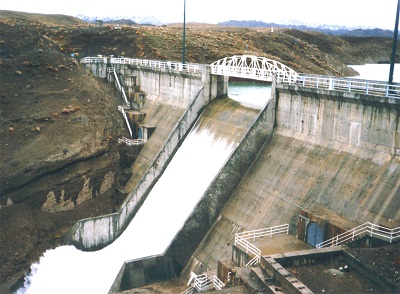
x=59, y=125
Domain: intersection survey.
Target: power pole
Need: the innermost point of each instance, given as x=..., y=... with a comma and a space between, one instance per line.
x=396, y=30
x=184, y=33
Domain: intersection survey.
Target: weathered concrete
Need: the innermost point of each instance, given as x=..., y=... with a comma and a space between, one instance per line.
x=141, y=272
x=329, y=149
x=173, y=116
x=249, y=129
x=226, y=120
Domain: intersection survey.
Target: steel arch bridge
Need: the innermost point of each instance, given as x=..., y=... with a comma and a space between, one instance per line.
x=252, y=67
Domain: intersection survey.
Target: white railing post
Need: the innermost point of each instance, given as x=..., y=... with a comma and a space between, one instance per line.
x=330, y=84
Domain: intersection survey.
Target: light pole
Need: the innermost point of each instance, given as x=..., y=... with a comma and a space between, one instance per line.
x=184, y=33
x=396, y=30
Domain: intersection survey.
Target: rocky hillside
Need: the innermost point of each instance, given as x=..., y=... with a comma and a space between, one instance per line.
x=59, y=125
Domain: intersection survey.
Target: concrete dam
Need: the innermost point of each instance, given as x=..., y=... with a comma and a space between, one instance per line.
x=318, y=156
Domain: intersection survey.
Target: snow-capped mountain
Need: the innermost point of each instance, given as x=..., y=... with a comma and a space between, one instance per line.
x=137, y=19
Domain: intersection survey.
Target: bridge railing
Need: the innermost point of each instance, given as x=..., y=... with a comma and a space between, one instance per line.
x=343, y=84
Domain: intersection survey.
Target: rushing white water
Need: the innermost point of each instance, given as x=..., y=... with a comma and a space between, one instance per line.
x=68, y=270
x=377, y=72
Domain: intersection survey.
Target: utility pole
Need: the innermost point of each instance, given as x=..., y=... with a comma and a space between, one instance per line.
x=396, y=30
x=184, y=33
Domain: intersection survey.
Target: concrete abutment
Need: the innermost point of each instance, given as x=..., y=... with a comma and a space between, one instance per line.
x=189, y=92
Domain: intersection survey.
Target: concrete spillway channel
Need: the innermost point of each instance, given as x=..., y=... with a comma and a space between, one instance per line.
x=178, y=211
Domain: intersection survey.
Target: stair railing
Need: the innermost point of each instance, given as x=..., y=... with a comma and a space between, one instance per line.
x=121, y=89
x=366, y=228
x=122, y=110
x=202, y=283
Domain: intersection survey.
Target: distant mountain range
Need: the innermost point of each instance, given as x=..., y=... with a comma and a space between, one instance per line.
x=148, y=20
x=327, y=29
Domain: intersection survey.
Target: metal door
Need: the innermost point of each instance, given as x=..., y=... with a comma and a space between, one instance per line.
x=314, y=234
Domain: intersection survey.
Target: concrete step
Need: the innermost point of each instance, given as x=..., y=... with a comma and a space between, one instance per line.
x=244, y=274
x=270, y=285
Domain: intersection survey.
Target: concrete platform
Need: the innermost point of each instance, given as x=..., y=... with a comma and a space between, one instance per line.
x=280, y=244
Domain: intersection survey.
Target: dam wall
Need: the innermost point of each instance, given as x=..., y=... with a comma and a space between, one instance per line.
x=247, y=129
x=223, y=185
x=333, y=155
x=174, y=101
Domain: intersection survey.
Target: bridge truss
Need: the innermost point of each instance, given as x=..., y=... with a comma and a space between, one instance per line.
x=252, y=67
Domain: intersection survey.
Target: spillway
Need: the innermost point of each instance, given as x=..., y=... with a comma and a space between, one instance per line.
x=198, y=160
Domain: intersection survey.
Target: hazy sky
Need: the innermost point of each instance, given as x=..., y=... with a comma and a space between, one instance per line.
x=368, y=13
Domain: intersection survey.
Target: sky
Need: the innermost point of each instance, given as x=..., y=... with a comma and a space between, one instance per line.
x=351, y=13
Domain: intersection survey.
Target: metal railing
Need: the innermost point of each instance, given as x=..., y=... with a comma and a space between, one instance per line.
x=119, y=87
x=367, y=228
x=191, y=68
x=94, y=60
x=243, y=237
x=250, y=248
x=343, y=84
x=202, y=283
x=132, y=142
x=122, y=110
x=189, y=290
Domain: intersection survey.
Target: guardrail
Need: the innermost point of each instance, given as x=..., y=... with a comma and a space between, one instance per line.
x=264, y=232
x=202, y=283
x=190, y=68
x=343, y=84
x=160, y=65
x=241, y=239
x=132, y=142
x=94, y=60
x=366, y=228
x=250, y=248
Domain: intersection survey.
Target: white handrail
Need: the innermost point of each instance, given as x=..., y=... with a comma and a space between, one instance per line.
x=241, y=239
x=120, y=88
x=343, y=84
x=160, y=65
x=192, y=68
x=122, y=110
x=132, y=142
x=189, y=290
x=253, y=234
x=366, y=228
x=203, y=283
